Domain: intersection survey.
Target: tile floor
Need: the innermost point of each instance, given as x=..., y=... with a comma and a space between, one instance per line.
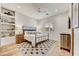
x=14, y=50
x=41, y=49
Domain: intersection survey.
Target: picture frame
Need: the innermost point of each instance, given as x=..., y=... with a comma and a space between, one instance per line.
x=69, y=23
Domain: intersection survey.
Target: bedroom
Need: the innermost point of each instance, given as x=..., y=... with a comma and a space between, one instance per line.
x=34, y=28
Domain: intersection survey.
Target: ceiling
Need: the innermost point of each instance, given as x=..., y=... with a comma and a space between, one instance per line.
x=31, y=9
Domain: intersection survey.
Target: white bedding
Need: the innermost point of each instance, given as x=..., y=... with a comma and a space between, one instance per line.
x=31, y=36
x=41, y=37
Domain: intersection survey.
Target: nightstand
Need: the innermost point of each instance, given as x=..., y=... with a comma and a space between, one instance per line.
x=19, y=38
x=65, y=41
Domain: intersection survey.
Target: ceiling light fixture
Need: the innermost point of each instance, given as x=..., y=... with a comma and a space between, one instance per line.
x=56, y=10
x=18, y=6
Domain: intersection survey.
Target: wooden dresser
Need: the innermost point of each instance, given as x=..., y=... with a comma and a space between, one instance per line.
x=65, y=41
x=19, y=38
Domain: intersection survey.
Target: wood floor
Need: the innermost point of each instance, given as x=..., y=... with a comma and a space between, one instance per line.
x=11, y=50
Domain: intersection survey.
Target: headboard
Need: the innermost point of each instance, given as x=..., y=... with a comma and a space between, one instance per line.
x=28, y=28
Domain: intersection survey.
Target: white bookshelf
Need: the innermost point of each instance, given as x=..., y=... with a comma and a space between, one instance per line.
x=7, y=23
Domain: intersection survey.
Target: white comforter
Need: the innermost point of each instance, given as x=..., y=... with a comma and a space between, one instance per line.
x=41, y=37
x=30, y=38
x=38, y=37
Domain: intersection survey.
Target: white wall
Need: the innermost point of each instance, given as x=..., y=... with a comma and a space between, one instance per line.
x=24, y=20
x=60, y=24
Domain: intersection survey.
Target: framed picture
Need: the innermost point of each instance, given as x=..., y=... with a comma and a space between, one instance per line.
x=69, y=23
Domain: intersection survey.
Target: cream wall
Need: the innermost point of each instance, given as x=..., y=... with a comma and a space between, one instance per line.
x=24, y=20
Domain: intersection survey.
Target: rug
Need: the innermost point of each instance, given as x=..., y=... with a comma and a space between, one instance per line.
x=41, y=50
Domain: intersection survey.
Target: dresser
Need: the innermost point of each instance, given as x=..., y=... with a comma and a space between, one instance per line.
x=19, y=38
x=65, y=41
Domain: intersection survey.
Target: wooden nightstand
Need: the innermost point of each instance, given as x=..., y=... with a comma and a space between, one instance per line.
x=19, y=38
x=65, y=41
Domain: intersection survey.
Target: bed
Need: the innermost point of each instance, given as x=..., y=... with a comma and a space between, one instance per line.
x=41, y=36
x=33, y=36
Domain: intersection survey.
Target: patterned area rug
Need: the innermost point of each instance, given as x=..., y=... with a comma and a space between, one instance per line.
x=41, y=50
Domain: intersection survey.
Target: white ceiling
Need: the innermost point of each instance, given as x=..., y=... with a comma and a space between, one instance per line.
x=31, y=9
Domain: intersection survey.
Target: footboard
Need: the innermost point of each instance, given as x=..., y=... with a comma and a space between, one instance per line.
x=30, y=38
x=41, y=37
x=36, y=38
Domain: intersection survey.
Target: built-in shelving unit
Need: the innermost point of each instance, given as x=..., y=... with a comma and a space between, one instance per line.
x=7, y=23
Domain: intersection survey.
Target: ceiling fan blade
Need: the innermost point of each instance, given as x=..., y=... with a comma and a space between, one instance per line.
x=39, y=10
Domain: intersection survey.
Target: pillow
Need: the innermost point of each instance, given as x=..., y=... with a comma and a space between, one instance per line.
x=30, y=32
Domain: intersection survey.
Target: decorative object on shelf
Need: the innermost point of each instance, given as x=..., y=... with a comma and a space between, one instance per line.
x=8, y=13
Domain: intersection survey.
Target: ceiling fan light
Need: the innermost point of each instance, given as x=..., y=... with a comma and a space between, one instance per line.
x=18, y=6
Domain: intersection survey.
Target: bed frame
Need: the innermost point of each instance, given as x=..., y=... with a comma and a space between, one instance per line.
x=33, y=29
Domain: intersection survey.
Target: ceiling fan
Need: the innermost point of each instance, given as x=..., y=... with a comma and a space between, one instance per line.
x=39, y=10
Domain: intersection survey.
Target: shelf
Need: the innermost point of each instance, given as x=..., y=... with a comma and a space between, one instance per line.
x=7, y=23
x=7, y=15
x=8, y=37
x=7, y=30
x=7, y=11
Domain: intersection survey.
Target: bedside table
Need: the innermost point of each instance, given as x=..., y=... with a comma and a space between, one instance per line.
x=19, y=38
